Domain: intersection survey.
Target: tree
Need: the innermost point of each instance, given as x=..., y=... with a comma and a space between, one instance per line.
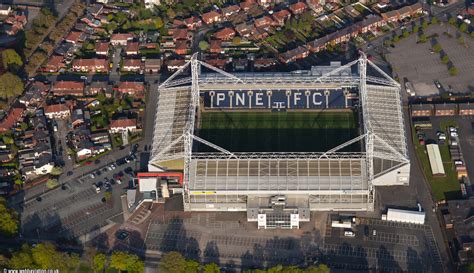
x=158, y=23
x=387, y=43
x=46, y=256
x=396, y=38
x=472, y=34
x=236, y=40
x=192, y=266
x=118, y=260
x=452, y=20
x=424, y=25
x=463, y=27
x=134, y=264
x=56, y=171
x=107, y=195
x=203, y=45
x=434, y=20
x=11, y=60
x=7, y=139
x=172, y=262
x=10, y=86
x=405, y=33
x=453, y=71
x=416, y=28
x=461, y=40
x=8, y=219
x=423, y=38
x=52, y=183
x=111, y=27
x=445, y=59
x=211, y=268
x=437, y=47
x=22, y=259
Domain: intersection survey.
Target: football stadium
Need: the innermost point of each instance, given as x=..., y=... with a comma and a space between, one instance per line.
x=277, y=145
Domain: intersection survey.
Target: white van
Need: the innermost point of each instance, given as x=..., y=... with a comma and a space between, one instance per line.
x=349, y=233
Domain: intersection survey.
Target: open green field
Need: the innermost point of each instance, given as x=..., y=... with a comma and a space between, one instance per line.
x=443, y=188
x=278, y=131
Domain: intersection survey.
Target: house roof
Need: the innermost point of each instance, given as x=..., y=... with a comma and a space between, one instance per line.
x=263, y=21
x=153, y=63
x=231, y=9
x=294, y=52
x=73, y=36
x=215, y=45
x=55, y=108
x=466, y=106
x=55, y=61
x=132, y=62
x=121, y=37
x=180, y=34
x=181, y=45
x=131, y=86
x=282, y=14
x=224, y=33
x=12, y=117
x=297, y=7
x=209, y=16
x=101, y=47
x=70, y=85
x=90, y=62
x=123, y=123
x=132, y=47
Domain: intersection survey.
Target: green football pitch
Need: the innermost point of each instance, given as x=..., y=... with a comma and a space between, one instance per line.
x=277, y=131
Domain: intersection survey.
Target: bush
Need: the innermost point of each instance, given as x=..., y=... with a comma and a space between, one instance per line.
x=52, y=183
x=437, y=48
x=453, y=71
x=445, y=59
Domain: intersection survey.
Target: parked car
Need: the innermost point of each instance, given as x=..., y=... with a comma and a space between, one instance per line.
x=458, y=162
x=349, y=233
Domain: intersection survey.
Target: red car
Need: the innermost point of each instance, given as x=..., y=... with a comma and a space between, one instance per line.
x=88, y=163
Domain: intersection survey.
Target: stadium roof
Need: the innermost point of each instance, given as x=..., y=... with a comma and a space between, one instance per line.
x=225, y=171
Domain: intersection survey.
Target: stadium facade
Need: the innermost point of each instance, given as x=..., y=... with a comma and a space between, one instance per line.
x=278, y=189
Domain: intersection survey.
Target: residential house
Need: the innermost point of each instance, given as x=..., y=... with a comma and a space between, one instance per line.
x=298, y=8
x=132, y=48
x=75, y=37
x=211, y=17
x=219, y=63
x=77, y=117
x=370, y=23
x=281, y=16
x=391, y=16
x=100, y=137
x=247, y=4
x=123, y=125
x=182, y=47
x=132, y=65
x=260, y=63
x=294, y=54
x=193, y=22
x=13, y=116
x=90, y=65
x=216, y=47
x=153, y=65
x=263, y=22
x=84, y=149
x=95, y=9
x=446, y=109
x=175, y=64
x=466, y=109
x=245, y=29
x=68, y=88
x=230, y=10
x=121, y=38
x=57, y=111
x=264, y=3
x=181, y=34
x=316, y=6
x=225, y=34
x=133, y=89
x=102, y=48
x=422, y=110
x=31, y=97
x=54, y=64
x=97, y=87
